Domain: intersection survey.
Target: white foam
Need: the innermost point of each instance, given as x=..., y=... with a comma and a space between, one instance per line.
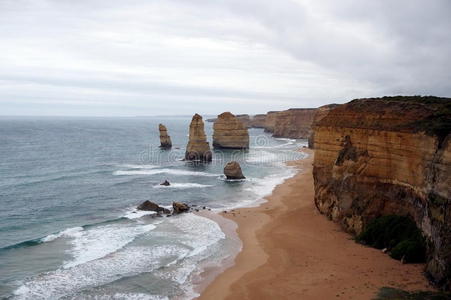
x=262, y=157
x=100, y=241
x=191, y=242
x=63, y=282
x=182, y=186
x=136, y=214
x=66, y=233
x=165, y=171
x=132, y=166
x=130, y=296
x=200, y=232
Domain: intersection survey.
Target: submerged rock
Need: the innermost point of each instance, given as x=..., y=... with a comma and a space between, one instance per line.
x=165, y=139
x=232, y=170
x=230, y=132
x=198, y=148
x=150, y=206
x=180, y=207
x=165, y=183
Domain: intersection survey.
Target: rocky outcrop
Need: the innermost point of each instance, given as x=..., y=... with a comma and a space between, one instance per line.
x=294, y=123
x=320, y=113
x=385, y=156
x=165, y=139
x=244, y=118
x=270, y=121
x=180, y=207
x=232, y=170
x=150, y=206
x=258, y=121
x=198, y=148
x=165, y=183
x=230, y=133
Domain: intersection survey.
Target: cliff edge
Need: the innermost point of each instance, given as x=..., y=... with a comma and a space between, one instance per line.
x=391, y=155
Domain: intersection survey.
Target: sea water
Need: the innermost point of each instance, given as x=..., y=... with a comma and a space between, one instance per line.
x=69, y=187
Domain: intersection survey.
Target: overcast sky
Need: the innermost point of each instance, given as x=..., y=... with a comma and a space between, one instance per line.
x=149, y=57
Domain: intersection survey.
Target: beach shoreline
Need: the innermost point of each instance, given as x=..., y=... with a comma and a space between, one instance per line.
x=291, y=251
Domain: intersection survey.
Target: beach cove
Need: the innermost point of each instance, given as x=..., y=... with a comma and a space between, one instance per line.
x=291, y=251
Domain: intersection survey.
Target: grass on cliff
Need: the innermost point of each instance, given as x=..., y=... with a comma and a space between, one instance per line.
x=399, y=234
x=387, y=293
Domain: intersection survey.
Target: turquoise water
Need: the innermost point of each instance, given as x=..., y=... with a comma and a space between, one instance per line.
x=68, y=192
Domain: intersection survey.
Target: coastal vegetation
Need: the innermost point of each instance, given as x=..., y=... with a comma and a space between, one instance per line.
x=398, y=234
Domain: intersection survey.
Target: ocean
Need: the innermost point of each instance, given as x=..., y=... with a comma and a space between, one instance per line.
x=69, y=188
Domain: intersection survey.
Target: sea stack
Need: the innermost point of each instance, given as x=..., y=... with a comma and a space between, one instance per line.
x=230, y=132
x=165, y=139
x=198, y=148
x=232, y=170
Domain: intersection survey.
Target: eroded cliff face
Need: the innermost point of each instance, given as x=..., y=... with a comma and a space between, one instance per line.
x=294, y=123
x=198, y=148
x=320, y=113
x=270, y=121
x=165, y=139
x=230, y=133
x=258, y=121
x=373, y=157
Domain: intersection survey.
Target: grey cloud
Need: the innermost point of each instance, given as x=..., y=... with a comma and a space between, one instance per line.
x=222, y=55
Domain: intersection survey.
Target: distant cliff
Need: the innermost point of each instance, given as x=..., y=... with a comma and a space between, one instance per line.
x=385, y=156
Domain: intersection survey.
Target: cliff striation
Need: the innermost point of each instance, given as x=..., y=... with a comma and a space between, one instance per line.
x=230, y=133
x=320, y=113
x=165, y=139
x=198, y=148
x=294, y=123
x=258, y=121
x=384, y=156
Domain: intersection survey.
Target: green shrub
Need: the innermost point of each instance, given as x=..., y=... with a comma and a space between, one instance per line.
x=399, y=234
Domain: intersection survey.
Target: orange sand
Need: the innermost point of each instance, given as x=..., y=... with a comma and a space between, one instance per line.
x=290, y=251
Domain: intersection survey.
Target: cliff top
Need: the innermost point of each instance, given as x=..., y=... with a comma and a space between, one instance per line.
x=399, y=113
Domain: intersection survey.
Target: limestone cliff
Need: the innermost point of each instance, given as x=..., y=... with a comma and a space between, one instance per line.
x=230, y=133
x=165, y=139
x=270, y=121
x=258, y=121
x=384, y=156
x=198, y=148
x=294, y=123
x=320, y=113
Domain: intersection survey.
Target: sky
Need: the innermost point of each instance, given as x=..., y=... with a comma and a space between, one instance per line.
x=178, y=57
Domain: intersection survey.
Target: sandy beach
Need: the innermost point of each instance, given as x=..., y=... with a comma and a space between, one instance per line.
x=290, y=251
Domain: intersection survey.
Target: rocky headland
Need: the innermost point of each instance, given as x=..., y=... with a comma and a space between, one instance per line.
x=389, y=156
x=198, y=148
x=230, y=133
x=294, y=123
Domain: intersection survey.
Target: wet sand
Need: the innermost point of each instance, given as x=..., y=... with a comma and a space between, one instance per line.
x=290, y=251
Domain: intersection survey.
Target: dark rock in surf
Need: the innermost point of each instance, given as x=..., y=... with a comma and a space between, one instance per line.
x=180, y=207
x=165, y=183
x=150, y=206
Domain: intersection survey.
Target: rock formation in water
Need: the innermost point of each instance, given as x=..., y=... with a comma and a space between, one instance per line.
x=320, y=113
x=230, y=133
x=294, y=123
x=165, y=183
x=150, y=206
x=180, y=207
x=388, y=156
x=198, y=148
x=232, y=170
x=165, y=139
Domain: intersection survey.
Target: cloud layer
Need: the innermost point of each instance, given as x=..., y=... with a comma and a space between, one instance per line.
x=148, y=57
